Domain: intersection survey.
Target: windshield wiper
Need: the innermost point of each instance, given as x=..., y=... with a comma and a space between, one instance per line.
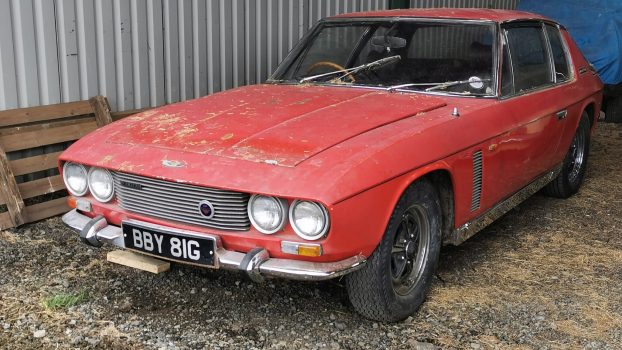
x=436, y=86
x=354, y=70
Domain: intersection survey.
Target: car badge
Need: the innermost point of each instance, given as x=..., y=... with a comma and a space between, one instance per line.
x=173, y=163
x=206, y=209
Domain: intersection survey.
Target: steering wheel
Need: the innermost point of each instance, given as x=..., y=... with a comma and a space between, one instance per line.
x=332, y=65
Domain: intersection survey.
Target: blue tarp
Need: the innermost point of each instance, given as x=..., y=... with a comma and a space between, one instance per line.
x=596, y=26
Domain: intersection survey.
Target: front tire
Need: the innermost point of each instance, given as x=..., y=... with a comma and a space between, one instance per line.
x=574, y=167
x=395, y=280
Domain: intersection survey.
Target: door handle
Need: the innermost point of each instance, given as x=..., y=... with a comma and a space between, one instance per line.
x=562, y=114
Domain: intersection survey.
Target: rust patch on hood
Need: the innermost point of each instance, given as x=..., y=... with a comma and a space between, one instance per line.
x=275, y=123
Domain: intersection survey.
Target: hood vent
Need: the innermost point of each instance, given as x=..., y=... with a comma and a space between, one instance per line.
x=476, y=195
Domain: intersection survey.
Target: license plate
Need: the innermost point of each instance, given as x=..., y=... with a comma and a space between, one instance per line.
x=169, y=244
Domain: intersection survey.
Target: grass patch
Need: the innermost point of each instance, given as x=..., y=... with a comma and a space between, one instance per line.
x=64, y=300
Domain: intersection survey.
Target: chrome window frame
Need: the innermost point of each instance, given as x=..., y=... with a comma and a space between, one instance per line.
x=554, y=83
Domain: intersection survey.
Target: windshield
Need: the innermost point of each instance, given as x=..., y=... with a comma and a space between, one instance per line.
x=435, y=56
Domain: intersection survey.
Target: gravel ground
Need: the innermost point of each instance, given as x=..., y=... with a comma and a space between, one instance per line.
x=546, y=275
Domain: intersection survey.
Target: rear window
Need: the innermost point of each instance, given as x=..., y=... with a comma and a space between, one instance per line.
x=562, y=71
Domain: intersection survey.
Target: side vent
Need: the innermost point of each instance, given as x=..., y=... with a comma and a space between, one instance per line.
x=476, y=196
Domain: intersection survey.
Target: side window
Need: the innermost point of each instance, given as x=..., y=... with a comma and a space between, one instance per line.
x=530, y=63
x=562, y=71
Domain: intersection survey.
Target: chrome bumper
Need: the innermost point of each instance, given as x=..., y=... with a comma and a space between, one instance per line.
x=256, y=264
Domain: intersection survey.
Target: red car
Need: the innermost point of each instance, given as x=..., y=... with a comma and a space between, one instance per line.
x=381, y=137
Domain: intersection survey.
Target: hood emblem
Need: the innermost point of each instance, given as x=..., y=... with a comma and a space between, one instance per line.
x=173, y=163
x=206, y=209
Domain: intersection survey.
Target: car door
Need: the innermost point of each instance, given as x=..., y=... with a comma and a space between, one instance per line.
x=535, y=99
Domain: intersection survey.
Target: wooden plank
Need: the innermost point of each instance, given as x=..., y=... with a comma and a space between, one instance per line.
x=10, y=192
x=33, y=164
x=138, y=261
x=101, y=109
x=120, y=115
x=47, y=209
x=5, y=220
x=46, y=136
x=43, y=113
x=45, y=125
x=41, y=186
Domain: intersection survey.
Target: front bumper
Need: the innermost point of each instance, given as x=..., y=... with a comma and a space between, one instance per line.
x=256, y=263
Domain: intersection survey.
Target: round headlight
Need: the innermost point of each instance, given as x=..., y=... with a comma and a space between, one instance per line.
x=267, y=214
x=75, y=177
x=309, y=219
x=101, y=184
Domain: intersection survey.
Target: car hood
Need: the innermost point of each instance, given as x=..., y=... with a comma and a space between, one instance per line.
x=276, y=124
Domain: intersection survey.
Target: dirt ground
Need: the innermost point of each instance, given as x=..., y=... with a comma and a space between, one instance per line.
x=547, y=276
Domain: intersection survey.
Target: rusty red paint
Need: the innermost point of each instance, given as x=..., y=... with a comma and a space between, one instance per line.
x=355, y=150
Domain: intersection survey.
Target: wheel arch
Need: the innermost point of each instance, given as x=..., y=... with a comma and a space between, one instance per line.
x=441, y=177
x=590, y=108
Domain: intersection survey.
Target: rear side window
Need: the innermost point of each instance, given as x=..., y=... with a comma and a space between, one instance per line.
x=562, y=71
x=530, y=63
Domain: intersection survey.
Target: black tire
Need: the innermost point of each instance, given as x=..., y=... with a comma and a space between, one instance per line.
x=374, y=291
x=574, y=166
x=613, y=110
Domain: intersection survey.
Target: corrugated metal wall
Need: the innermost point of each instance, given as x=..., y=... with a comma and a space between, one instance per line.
x=497, y=4
x=142, y=53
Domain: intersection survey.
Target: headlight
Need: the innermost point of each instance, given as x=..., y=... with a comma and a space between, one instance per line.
x=75, y=178
x=309, y=219
x=101, y=184
x=267, y=214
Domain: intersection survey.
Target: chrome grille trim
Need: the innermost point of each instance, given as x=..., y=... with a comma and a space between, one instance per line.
x=476, y=195
x=179, y=202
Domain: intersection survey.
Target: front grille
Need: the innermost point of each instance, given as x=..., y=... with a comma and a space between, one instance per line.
x=180, y=202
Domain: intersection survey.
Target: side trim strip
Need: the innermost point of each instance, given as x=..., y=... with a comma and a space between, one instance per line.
x=467, y=230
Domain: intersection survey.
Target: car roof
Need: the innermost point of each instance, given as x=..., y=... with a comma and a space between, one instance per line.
x=450, y=13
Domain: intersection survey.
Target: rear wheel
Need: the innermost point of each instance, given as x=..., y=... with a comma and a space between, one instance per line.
x=396, y=278
x=573, y=170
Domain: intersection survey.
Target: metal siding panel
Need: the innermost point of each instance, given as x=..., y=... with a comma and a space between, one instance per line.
x=155, y=38
x=184, y=14
x=171, y=50
x=47, y=55
x=250, y=48
x=67, y=50
x=238, y=30
x=213, y=37
x=106, y=55
x=123, y=54
x=226, y=68
x=25, y=53
x=87, y=59
x=199, y=47
x=140, y=52
x=8, y=82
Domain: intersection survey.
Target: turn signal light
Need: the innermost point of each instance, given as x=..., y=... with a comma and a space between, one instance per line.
x=304, y=249
x=80, y=204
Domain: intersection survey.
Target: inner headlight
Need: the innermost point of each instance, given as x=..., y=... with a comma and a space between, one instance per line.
x=101, y=184
x=267, y=214
x=75, y=177
x=309, y=219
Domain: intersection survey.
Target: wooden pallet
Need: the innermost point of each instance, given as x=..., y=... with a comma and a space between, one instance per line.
x=28, y=128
